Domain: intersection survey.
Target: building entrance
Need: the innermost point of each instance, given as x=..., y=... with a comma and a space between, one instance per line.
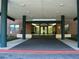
x=43, y=29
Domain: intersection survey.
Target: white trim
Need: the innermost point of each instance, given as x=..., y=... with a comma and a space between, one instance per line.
x=28, y=36
x=43, y=19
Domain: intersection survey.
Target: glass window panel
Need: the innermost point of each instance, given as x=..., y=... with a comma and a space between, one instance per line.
x=12, y=26
x=45, y=30
x=16, y=26
x=41, y=30
x=50, y=30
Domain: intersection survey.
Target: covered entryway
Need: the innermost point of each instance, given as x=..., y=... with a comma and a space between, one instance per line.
x=43, y=36
x=44, y=11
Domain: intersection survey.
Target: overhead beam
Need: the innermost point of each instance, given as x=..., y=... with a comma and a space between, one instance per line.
x=43, y=22
x=75, y=19
x=11, y=18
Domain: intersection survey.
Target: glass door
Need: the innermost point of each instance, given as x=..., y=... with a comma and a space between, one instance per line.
x=50, y=30
x=43, y=30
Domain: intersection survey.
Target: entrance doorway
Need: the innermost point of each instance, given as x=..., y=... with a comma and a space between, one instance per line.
x=44, y=29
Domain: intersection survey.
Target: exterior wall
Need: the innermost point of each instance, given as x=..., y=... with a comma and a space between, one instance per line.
x=9, y=22
x=18, y=22
x=58, y=28
x=73, y=27
x=67, y=21
x=28, y=28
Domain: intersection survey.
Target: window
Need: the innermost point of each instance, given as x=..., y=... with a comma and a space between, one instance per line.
x=66, y=28
x=14, y=28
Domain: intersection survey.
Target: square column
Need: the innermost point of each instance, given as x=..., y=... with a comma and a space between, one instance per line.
x=62, y=27
x=78, y=22
x=3, y=37
x=24, y=27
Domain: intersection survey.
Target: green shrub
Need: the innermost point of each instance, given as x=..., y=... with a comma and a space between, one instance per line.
x=10, y=38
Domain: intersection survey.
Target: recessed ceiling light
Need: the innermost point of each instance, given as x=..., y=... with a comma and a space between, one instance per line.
x=27, y=11
x=61, y=5
x=34, y=24
x=57, y=11
x=53, y=24
x=23, y=5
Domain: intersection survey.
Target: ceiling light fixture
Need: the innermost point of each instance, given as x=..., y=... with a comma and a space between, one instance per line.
x=23, y=5
x=57, y=11
x=33, y=24
x=61, y=5
x=28, y=12
x=53, y=24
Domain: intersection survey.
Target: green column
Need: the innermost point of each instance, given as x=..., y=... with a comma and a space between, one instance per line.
x=24, y=27
x=40, y=29
x=62, y=27
x=78, y=22
x=47, y=28
x=3, y=39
